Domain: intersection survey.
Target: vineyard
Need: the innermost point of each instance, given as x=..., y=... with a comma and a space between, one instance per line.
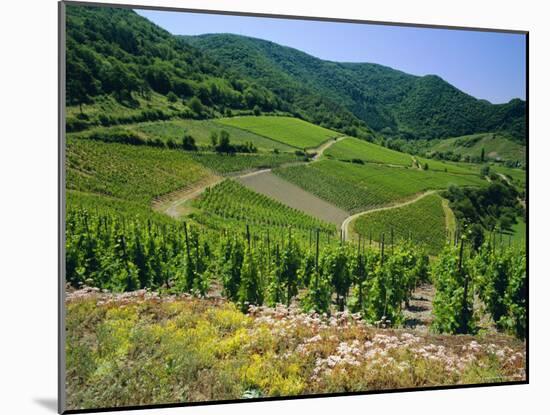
x=494, y=275
x=219, y=246
x=118, y=252
x=244, y=279
x=360, y=150
x=291, y=131
x=356, y=187
x=135, y=173
x=230, y=200
x=423, y=222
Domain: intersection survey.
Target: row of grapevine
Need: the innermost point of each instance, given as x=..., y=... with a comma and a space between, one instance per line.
x=231, y=200
x=495, y=277
x=121, y=254
x=356, y=187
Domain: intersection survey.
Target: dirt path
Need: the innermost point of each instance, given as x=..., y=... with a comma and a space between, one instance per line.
x=450, y=219
x=418, y=315
x=321, y=149
x=505, y=178
x=178, y=203
x=345, y=225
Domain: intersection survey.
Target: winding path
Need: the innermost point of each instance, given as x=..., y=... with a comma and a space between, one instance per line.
x=321, y=149
x=176, y=204
x=345, y=225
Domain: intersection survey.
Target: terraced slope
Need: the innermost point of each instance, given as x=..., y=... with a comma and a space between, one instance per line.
x=291, y=131
x=354, y=187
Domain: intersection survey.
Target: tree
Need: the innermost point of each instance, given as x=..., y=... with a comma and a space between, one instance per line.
x=257, y=110
x=214, y=139
x=224, y=145
x=196, y=106
x=482, y=154
x=188, y=143
x=172, y=97
x=426, y=167
x=484, y=171
x=81, y=84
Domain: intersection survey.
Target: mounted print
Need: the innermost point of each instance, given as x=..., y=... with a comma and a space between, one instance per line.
x=256, y=207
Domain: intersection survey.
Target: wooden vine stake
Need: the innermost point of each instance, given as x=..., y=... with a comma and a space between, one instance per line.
x=317, y=261
x=187, y=241
x=382, y=250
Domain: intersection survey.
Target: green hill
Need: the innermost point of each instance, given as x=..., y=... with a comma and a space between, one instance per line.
x=121, y=68
x=388, y=100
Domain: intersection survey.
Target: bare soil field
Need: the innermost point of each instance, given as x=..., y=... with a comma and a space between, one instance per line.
x=291, y=195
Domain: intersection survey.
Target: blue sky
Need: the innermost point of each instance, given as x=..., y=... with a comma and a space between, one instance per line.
x=486, y=65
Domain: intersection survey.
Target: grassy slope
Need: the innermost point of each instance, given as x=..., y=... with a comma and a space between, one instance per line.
x=517, y=175
x=353, y=148
x=201, y=130
x=450, y=167
x=495, y=145
x=175, y=129
x=136, y=173
x=422, y=221
x=288, y=130
x=356, y=187
x=231, y=201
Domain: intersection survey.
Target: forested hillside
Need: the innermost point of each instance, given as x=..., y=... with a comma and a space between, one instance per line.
x=151, y=74
x=388, y=100
x=118, y=53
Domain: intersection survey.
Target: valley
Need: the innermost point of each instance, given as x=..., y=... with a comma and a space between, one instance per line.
x=240, y=215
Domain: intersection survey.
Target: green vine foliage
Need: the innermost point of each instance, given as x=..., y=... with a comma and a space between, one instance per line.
x=124, y=253
x=453, y=302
